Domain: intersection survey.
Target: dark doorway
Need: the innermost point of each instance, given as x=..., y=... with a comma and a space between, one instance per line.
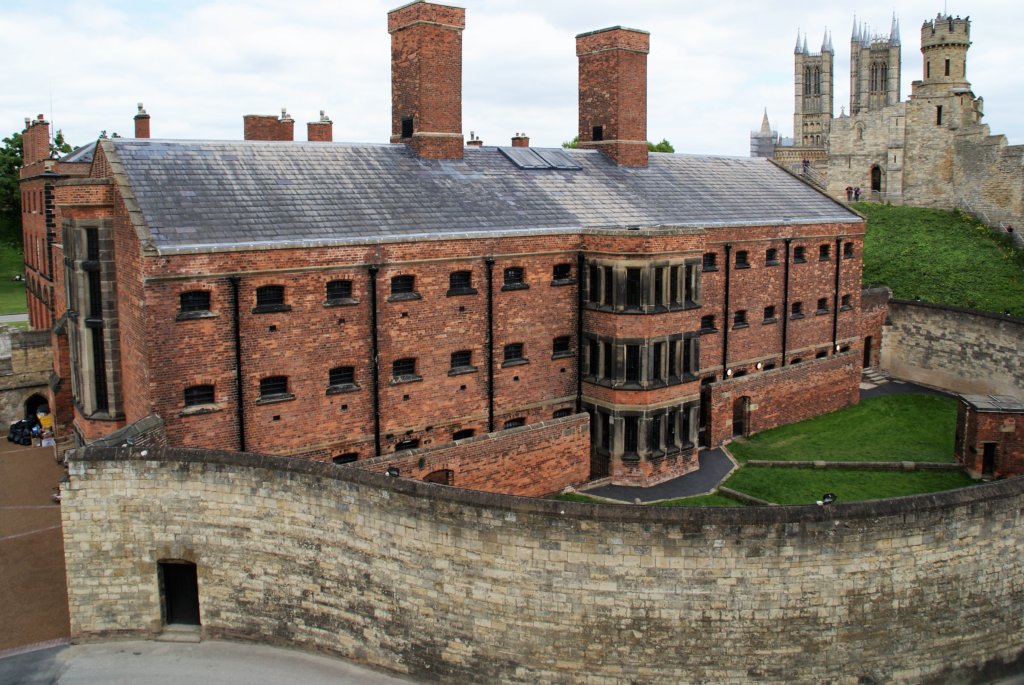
x=988, y=460
x=34, y=403
x=876, y=179
x=703, y=432
x=867, y=352
x=442, y=476
x=181, y=592
x=740, y=416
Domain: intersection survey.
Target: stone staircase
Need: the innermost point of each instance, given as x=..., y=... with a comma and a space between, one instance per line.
x=871, y=378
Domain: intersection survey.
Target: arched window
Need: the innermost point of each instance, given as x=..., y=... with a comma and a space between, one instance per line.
x=816, y=81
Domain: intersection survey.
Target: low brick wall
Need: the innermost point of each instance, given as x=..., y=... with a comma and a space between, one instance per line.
x=960, y=350
x=531, y=461
x=451, y=585
x=785, y=395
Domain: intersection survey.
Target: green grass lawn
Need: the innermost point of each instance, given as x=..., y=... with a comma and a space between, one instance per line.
x=942, y=257
x=714, y=500
x=806, y=486
x=904, y=427
x=12, y=293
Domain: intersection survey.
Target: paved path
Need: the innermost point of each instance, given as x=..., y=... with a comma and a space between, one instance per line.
x=167, y=663
x=13, y=318
x=715, y=465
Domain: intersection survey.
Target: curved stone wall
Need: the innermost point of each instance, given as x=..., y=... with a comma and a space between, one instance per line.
x=460, y=586
x=961, y=350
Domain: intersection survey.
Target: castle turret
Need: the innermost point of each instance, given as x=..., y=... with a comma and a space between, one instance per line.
x=944, y=44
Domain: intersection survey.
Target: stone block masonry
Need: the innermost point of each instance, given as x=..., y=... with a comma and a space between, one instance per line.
x=448, y=585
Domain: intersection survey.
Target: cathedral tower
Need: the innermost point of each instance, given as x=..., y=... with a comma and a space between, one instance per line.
x=874, y=68
x=813, y=77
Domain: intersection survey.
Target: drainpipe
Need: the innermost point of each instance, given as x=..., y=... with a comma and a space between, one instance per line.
x=785, y=302
x=835, y=296
x=235, y=281
x=581, y=264
x=489, y=343
x=725, y=314
x=374, y=361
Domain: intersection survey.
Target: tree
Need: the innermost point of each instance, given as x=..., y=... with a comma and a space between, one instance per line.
x=663, y=146
x=59, y=146
x=11, y=155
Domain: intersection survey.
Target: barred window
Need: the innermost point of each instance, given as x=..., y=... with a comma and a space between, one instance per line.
x=513, y=352
x=799, y=254
x=403, y=367
x=342, y=375
x=199, y=394
x=195, y=301
x=561, y=345
x=514, y=423
x=514, y=275
x=273, y=385
x=269, y=295
x=561, y=272
x=403, y=284
x=463, y=359
x=339, y=290
x=824, y=252
x=460, y=281
x=710, y=261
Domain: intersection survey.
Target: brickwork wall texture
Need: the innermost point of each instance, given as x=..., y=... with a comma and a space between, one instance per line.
x=1004, y=429
x=532, y=461
x=448, y=585
x=954, y=349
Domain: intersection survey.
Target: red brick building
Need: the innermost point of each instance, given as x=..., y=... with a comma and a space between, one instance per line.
x=341, y=301
x=990, y=435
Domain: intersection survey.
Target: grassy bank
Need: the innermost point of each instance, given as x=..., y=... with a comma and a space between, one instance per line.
x=904, y=427
x=12, y=262
x=942, y=257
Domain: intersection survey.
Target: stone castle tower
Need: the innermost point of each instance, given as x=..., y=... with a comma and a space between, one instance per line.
x=812, y=108
x=874, y=68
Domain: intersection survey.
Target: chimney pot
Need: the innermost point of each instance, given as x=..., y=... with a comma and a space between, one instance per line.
x=613, y=93
x=141, y=123
x=426, y=78
x=321, y=131
x=473, y=140
x=520, y=140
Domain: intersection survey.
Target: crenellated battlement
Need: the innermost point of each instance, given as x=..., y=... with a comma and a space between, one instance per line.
x=945, y=31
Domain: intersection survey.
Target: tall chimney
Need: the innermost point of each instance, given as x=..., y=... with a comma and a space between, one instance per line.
x=613, y=93
x=35, y=141
x=520, y=140
x=268, y=127
x=426, y=78
x=320, y=131
x=141, y=123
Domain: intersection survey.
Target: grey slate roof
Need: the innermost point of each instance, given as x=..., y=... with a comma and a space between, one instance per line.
x=209, y=195
x=84, y=153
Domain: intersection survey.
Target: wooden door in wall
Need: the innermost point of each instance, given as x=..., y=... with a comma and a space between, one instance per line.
x=741, y=416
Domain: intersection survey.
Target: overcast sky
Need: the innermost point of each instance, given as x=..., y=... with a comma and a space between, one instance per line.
x=199, y=65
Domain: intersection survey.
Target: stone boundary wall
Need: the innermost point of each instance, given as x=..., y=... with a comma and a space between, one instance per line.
x=959, y=350
x=874, y=311
x=450, y=585
x=25, y=363
x=145, y=433
x=532, y=461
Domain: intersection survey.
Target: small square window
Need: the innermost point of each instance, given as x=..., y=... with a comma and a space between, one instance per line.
x=515, y=423
x=710, y=262
x=824, y=253
x=561, y=273
x=797, y=310
x=195, y=301
x=562, y=413
x=771, y=256
x=514, y=275
x=270, y=298
x=407, y=444
x=799, y=254
x=514, y=353
x=847, y=250
x=273, y=386
x=739, y=318
x=463, y=359
x=741, y=260
x=402, y=368
x=769, y=314
x=403, y=284
x=339, y=290
x=346, y=458
x=845, y=302
x=822, y=306
x=463, y=434
x=407, y=127
x=707, y=323
x=561, y=346
x=199, y=394
x=461, y=283
x=341, y=375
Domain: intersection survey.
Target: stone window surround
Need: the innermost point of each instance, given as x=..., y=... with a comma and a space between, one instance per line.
x=609, y=426
x=687, y=280
x=675, y=344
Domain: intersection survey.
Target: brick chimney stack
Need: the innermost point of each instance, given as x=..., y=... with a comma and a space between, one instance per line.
x=426, y=78
x=320, y=131
x=613, y=93
x=268, y=127
x=520, y=140
x=141, y=123
x=473, y=140
x=35, y=141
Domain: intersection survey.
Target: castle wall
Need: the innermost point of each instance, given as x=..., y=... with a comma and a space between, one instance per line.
x=447, y=585
x=960, y=350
